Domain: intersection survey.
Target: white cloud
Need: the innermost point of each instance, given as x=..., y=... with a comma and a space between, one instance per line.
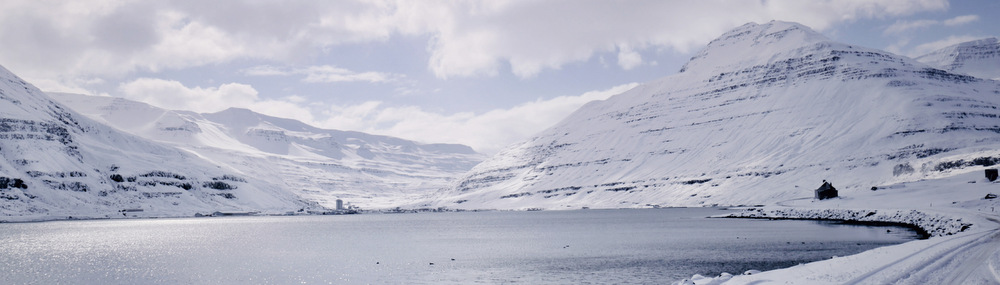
x=903, y=30
x=78, y=85
x=267, y=70
x=532, y=36
x=173, y=95
x=898, y=46
x=487, y=132
x=901, y=26
x=114, y=38
x=925, y=48
x=64, y=45
x=628, y=58
x=284, y=108
x=961, y=20
x=467, y=38
x=323, y=73
x=187, y=43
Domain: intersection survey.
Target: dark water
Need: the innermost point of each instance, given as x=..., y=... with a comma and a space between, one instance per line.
x=587, y=246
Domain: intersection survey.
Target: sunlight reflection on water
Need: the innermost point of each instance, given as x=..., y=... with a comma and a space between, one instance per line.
x=599, y=246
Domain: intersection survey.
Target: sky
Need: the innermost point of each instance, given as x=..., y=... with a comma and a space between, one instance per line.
x=480, y=73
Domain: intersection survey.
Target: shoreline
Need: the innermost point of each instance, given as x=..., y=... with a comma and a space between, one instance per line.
x=847, y=216
x=928, y=224
x=961, y=244
x=923, y=234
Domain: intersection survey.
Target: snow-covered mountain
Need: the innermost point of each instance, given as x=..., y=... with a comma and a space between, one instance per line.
x=764, y=113
x=57, y=163
x=980, y=58
x=317, y=164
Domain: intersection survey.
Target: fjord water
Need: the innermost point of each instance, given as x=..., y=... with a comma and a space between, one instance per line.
x=651, y=246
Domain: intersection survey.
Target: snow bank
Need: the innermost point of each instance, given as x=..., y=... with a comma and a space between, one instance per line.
x=931, y=224
x=698, y=279
x=887, y=264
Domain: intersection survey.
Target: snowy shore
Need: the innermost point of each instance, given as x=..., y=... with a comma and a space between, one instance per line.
x=964, y=230
x=930, y=225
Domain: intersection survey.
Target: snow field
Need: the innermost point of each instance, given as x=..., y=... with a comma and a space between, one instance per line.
x=964, y=247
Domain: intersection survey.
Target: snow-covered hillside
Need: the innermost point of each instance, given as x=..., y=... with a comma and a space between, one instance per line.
x=979, y=58
x=762, y=114
x=319, y=165
x=57, y=163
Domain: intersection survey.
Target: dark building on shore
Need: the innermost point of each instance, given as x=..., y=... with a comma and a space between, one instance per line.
x=826, y=191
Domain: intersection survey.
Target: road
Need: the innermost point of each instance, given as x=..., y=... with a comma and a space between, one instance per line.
x=967, y=259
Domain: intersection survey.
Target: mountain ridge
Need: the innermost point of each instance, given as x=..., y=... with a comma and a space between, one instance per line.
x=980, y=58
x=798, y=109
x=321, y=165
x=58, y=164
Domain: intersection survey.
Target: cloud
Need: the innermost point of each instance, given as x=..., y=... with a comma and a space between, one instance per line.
x=926, y=48
x=284, y=108
x=79, y=85
x=324, y=73
x=901, y=26
x=66, y=45
x=173, y=95
x=961, y=20
x=532, y=36
x=107, y=38
x=113, y=39
x=903, y=30
x=487, y=132
x=628, y=58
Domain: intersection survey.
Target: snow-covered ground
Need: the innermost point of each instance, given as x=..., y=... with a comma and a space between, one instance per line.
x=964, y=247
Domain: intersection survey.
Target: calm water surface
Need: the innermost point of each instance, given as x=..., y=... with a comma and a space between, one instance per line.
x=577, y=247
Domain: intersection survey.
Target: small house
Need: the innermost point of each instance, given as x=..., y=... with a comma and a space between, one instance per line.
x=826, y=191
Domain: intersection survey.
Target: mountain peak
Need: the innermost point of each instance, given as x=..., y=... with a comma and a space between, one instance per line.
x=753, y=43
x=768, y=33
x=978, y=58
x=234, y=111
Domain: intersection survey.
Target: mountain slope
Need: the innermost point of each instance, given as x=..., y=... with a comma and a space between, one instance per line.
x=57, y=163
x=979, y=58
x=764, y=113
x=320, y=165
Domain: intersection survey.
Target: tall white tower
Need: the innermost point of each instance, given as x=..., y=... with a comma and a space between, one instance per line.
x=340, y=204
